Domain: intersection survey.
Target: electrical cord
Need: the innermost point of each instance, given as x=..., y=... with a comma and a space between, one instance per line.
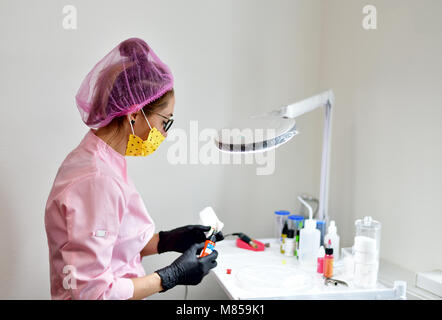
x=239, y=234
x=186, y=288
x=233, y=234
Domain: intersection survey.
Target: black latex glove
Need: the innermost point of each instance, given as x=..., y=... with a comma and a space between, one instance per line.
x=188, y=269
x=181, y=239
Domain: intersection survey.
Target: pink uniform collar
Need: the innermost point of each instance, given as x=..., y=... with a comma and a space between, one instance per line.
x=116, y=160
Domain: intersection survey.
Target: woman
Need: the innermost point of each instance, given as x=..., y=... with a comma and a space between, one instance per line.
x=97, y=226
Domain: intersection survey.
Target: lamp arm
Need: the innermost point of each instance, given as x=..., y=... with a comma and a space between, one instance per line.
x=325, y=164
x=325, y=99
x=296, y=109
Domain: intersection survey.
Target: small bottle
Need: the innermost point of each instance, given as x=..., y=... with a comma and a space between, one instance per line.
x=283, y=237
x=321, y=254
x=334, y=237
x=209, y=246
x=328, y=261
x=297, y=244
x=289, y=248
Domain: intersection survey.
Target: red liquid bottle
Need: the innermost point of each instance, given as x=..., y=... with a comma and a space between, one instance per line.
x=209, y=246
x=328, y=261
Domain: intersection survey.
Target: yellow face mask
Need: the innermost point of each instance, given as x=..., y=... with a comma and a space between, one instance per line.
x=139, y=147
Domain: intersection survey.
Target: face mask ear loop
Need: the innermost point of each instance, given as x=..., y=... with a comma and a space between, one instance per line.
x=146, y=119
x=130, y=122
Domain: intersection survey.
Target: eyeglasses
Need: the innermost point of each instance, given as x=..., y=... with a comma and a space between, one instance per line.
x=166, y=125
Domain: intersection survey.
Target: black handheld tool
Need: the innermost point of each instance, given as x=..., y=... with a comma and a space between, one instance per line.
x=244, y=238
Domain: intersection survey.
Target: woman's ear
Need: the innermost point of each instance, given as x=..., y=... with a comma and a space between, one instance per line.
x=133, y=116
x=130, y=119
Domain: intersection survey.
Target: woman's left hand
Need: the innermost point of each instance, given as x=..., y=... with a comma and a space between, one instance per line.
x=181, y=239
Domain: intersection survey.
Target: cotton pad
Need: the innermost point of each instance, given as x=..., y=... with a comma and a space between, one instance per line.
x=207, y=217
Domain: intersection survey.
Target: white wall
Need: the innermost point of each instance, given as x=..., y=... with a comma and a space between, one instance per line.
x=229, y=59
x=387, y=132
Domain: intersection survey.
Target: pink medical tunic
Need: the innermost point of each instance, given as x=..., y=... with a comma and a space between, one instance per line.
x=96, y=225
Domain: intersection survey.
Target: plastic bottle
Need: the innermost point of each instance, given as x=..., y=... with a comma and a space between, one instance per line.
x=297, y=244
x=283, y=237
x=321, y=254
x=333, y=236
x=290, y=243
x=309, y=241
x=280, y=220
x=297, y=222
x=328, y=263
x=320, y=225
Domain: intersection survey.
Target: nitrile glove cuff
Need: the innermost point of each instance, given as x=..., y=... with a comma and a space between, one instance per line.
x=170, y=276
x=162, y=242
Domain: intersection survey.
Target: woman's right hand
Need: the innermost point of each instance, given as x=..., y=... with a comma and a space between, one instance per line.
x=187, y=269
x=181, y=239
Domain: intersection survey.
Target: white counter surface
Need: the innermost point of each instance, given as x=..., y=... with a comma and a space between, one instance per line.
x=269, y=274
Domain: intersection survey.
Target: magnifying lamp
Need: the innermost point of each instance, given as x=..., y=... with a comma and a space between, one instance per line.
x=280, y=126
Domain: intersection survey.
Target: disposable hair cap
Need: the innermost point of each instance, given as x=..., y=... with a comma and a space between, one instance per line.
x=125, y=80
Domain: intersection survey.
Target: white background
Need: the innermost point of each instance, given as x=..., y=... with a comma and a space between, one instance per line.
x=232, y=59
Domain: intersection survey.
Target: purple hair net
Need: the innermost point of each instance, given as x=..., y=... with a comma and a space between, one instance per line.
x=125, y=80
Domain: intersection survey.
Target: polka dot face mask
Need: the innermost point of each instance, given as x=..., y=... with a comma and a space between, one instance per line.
x=140, y=148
